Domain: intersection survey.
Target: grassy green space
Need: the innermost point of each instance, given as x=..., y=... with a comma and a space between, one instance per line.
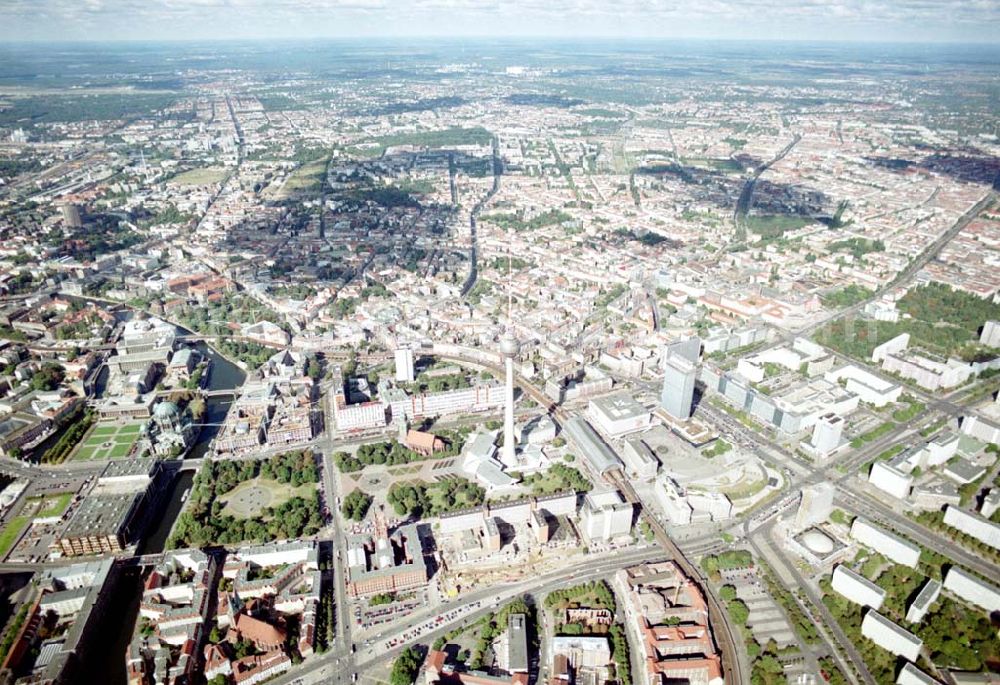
x=419, y=498
x=54, y=505
x=448, y=137
x=745, y=490
x=738, y=558
x=307, y=178
x=199, y=177
x=548, y=218
x=602, y=113
x=558, y=478
x=933, y=428
x=910, y=411
x=250, y=498
x=724, y=165
x=846, y=296
x=718, y=448
x=108, y=442
x=941, y=320
x=770, y=226
x=119, y=451
x=858, y=247
x=11, y=532
x=838, y=516
x=873, y=434
x=592, y=595
x=203, y=521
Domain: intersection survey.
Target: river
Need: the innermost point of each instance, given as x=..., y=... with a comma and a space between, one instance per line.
x=224, y=375
x=109, y=666
x=105, y=661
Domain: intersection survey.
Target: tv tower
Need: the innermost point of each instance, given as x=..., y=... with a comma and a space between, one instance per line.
x=509, y=348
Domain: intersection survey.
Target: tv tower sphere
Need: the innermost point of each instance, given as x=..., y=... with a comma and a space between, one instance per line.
x=509, y=346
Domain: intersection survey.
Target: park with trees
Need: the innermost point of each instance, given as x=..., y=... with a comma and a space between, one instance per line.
x=420, y=499
x=355, y=506
x=207, y=520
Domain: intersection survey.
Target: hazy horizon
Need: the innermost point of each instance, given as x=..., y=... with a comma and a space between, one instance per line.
x=919, y=21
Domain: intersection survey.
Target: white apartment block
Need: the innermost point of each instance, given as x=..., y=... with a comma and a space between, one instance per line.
x=922, y=603
x=911, y=675
x=890, y=636
x=975, y=525
x=857, y=588
x=673, y=502
x=885, y=543
x=890, y=480
x=991, y=334
x=972, y=589
x=981, y=429
x=606, y=516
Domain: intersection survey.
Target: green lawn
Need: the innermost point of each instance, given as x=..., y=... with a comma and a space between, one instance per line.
x=119, y=451
x=770, y=226
x=199, y=177
x=54, y=505
x=873, y=434
x=108, y=442
x=11, y=532
x=85, y=453
x=250, y=498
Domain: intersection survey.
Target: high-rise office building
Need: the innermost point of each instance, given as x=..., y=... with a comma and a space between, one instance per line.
x=71, y=215
x=679, y=376
x=827, y=434
x=815, y=506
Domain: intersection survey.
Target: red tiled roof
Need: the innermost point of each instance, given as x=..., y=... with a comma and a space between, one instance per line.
x=258, y=632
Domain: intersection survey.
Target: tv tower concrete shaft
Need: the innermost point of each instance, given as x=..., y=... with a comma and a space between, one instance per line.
x=509, y=347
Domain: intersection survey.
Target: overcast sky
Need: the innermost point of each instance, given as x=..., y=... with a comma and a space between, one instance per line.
x=872, y=20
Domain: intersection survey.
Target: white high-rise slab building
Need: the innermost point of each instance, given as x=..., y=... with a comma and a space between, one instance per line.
x=404, y=365
x=857, y=588
x=991, y=334
x=890, y=636
x=899, y=550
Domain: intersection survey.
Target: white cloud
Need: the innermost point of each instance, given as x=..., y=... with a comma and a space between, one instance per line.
x=802, y=19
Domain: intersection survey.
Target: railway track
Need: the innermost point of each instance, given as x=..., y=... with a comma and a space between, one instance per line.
x=722, y=630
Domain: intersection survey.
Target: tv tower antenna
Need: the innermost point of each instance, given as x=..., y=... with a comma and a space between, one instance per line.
x=510, y=280
x=509, y=348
